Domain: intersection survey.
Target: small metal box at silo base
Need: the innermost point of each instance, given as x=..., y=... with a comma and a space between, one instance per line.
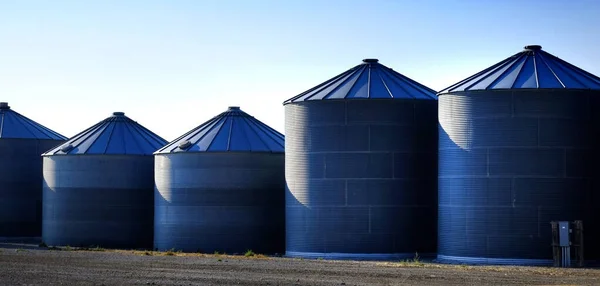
x=567, y=239
x=561, y=245
x=563, y=234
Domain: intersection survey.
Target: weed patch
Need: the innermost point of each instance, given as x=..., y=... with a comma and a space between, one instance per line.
x=415, y=262
x=92, y=248
x=97, y=248
x=172, y=252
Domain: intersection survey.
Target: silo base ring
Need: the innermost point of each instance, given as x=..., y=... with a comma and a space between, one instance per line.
x=493, y=261
x=356, y=256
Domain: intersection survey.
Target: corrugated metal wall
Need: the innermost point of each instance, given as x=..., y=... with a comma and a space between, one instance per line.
x=361, y=178
x=509, y=163
x=21, y=186
x=226, y=202
x=98, y=200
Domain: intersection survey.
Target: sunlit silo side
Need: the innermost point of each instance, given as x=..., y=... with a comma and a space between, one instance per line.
x=361, y=167
x=98, y=186
x=21, y=142
x=220, y=187
x=516, y=146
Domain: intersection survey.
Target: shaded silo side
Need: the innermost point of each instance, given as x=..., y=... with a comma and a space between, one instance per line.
x=98, y=186
x=513, y=144
x=220, y=187
x=21, y=142
x=361, y=167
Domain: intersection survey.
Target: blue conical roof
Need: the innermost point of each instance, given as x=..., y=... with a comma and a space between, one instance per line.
x=369, y=80
x=532, y=68
x=16, y=126
x=115, y=135
x=231, y=131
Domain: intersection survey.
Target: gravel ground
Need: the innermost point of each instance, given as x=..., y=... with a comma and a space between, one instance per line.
x=31, y=265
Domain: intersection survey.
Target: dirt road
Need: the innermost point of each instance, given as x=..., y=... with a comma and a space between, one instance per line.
x=21, y=265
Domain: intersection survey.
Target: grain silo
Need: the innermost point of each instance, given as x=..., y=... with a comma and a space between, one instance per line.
x=361, y=166
x=220, y=187
x=513, y=144
x=98, y=186
x=21, y=142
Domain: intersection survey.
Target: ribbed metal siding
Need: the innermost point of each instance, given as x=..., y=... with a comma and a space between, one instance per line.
x=361, y=178
x=21, y=186
x=103, y=200
x=509, y=163
x=226, y=202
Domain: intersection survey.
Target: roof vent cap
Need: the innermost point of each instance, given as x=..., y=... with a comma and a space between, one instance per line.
x=231, y=108
x=185, y=144
x=533, y=47
x=370, y=61
x=118, y=113
x=4, y=105
x=66, y=148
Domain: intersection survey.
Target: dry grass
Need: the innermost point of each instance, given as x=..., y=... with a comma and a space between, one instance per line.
x=69, y=248
x=171, y=252
x=179, y=253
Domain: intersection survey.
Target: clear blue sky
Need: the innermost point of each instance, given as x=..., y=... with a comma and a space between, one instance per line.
x=173, y=64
